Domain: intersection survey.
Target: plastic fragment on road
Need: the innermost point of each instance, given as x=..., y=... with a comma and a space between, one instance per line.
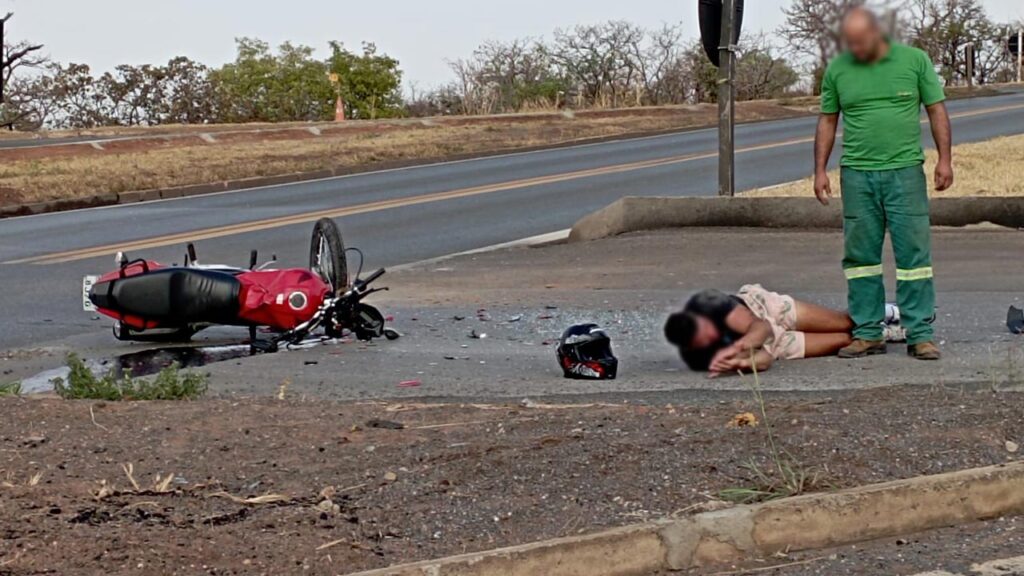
x=409, y=384
x=1015, y=320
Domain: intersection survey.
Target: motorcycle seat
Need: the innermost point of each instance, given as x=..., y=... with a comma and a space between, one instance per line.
x=175, y=295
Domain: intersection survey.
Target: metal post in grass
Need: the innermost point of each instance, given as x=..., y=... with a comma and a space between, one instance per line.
x=726, y=103
x=2, y=64
x=720, y=23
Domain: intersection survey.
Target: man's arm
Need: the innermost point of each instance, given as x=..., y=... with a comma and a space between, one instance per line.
x=824, y=140
x=755, y=333
x=754, y=330
x=942, y=133
x=759, y=360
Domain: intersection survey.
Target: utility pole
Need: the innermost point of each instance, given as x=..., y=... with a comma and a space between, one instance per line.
x=726, y=101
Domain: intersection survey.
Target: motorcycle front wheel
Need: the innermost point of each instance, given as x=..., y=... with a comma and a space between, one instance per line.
x=327, y=255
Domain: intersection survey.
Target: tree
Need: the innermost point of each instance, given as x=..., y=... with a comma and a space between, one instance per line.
x=509, y=77
x=15, y=56
x=760, y=73
x=812, y=31
x=80, y=103
x=133, y=95
x=601, y=59
x=188, y=93
x=370, y=83
x=943, y=28
x=260, y=86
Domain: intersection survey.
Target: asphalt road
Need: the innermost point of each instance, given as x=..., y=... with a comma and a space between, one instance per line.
x=403, y=215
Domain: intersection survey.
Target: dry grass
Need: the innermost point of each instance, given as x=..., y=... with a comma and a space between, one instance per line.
x=989, y=168
x=180, y=163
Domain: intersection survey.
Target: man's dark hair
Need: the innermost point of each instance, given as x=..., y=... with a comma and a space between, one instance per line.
x=680, y=329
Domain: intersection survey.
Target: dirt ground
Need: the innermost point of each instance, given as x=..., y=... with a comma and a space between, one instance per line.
x=234, y=485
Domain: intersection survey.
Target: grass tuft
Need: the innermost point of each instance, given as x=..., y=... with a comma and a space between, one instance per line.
x=786, y=476
x=10, y=389
x=170, y=384
x=989, y=168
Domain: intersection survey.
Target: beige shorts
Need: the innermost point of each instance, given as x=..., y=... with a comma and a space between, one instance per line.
x=779, y=311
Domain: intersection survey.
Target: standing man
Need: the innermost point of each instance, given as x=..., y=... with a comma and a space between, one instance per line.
x=879, y=87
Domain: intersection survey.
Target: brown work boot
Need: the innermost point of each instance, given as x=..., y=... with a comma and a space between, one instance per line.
x=924, y=351
x=863, y=348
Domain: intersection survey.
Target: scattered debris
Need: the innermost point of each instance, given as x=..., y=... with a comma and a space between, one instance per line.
x=477, y=335
x=264, y=499
x=384, y=424
x=95, y=423
x=390, y=476
x=333, y=543
x=515, y=318
x=1012, y=447
x=744, y=420
x=410, y=384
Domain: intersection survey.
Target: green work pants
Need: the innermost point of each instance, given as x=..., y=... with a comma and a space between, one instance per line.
x=872, y=202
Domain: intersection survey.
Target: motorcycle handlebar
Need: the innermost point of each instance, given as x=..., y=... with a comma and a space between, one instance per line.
x=373, y=277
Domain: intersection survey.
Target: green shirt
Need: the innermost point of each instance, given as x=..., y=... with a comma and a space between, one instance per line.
x=881, y=106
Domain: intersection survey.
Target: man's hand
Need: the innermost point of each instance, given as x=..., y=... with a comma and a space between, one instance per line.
x=725, y=361
x=822, y=187
x=943, y=175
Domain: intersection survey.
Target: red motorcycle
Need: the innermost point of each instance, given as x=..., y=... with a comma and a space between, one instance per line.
x=153, y=302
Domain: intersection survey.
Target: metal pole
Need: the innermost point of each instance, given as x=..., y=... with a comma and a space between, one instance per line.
x=726, y=102
x=2, y=21
x=1020, y=52
x=969, y=55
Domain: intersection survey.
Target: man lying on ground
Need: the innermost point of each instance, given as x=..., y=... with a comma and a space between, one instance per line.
x=725, y=334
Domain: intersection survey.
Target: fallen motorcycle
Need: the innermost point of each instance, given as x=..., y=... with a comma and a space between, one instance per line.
x=152, y=302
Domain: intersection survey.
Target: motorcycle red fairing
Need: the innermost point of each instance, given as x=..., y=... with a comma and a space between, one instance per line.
x=153, y=302
x=145, y=295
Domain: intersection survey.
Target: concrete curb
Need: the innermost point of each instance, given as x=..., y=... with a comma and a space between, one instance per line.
x=799, y=523
x=632, y=213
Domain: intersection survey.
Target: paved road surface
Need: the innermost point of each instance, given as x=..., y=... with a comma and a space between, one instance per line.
x=981, y=549
x=401, y=215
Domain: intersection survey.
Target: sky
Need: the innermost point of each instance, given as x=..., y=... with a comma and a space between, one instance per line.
x=421, y=34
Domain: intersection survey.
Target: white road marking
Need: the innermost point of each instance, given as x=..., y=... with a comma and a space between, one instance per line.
x=555, y=236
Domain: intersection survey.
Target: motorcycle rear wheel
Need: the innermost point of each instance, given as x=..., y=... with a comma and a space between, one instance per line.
x=327, y=255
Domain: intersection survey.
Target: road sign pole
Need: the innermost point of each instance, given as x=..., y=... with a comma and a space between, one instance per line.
x=3, y=20
x=1020, y=52
x=726, y=102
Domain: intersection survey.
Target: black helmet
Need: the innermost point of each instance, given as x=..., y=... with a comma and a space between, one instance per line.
x=585, y=352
